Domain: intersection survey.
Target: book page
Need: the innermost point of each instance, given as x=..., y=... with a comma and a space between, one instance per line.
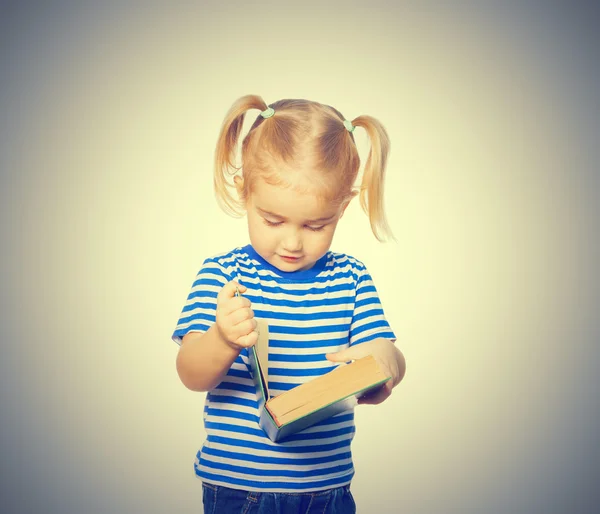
x=338, y=383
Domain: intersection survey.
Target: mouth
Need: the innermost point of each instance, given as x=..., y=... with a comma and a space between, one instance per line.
x=288, y=258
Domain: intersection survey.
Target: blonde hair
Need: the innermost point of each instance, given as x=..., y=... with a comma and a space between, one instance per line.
x=301, y=138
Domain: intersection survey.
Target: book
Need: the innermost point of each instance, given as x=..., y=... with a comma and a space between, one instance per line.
x=320, y=398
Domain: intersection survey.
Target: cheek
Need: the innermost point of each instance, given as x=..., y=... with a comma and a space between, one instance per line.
x=253, y=230
x=260, y=235
x=254, y=224
x=322, y=241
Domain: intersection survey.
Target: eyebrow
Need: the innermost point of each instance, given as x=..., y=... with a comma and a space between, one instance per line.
x=268, y=213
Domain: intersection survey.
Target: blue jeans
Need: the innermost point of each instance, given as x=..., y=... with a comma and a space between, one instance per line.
x=222, y=500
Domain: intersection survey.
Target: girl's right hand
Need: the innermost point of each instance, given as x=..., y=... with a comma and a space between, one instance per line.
x=235, y=319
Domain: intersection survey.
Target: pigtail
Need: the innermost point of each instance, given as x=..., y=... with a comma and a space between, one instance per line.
x=372, y=187
x=225, y=152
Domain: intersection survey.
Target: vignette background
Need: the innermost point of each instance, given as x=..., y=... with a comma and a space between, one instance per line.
x=109, y=114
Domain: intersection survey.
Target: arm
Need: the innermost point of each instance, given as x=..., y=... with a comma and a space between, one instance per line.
x=204, y=358
x=370, y=334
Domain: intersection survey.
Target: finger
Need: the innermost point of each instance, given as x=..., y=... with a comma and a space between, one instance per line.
x=229, y=289
x=248, y=340
x=245, y=327
x=227, y=307
x=375, y=397
x=239, y=315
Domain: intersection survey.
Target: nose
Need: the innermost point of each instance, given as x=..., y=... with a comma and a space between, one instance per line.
x=292, y=240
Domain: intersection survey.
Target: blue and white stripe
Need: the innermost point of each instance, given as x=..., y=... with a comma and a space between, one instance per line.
x=310, y=313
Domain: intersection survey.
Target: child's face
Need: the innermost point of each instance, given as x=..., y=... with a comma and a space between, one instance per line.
x=290, y=230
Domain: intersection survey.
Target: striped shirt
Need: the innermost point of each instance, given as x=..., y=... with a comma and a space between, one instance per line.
x=310, y=313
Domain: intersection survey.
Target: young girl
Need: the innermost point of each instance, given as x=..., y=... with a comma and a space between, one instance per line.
x=299, y=164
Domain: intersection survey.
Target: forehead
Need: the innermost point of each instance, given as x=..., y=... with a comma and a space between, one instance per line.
x=290, y=203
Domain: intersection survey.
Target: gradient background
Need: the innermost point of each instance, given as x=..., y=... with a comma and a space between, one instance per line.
x=109, y=115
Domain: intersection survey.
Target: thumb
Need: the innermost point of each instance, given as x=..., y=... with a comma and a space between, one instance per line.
x=240, y=287
x=228, y=290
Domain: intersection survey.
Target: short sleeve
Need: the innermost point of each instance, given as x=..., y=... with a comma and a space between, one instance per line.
x=368, y=319
x=198, y=313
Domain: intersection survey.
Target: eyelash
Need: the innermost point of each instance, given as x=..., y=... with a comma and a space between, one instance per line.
x=279, y=223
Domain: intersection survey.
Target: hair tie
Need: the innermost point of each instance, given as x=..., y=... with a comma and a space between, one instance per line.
x=349, y=126
x=268, y=112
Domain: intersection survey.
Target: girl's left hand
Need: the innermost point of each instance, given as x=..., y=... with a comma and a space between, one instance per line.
x=388, y=357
